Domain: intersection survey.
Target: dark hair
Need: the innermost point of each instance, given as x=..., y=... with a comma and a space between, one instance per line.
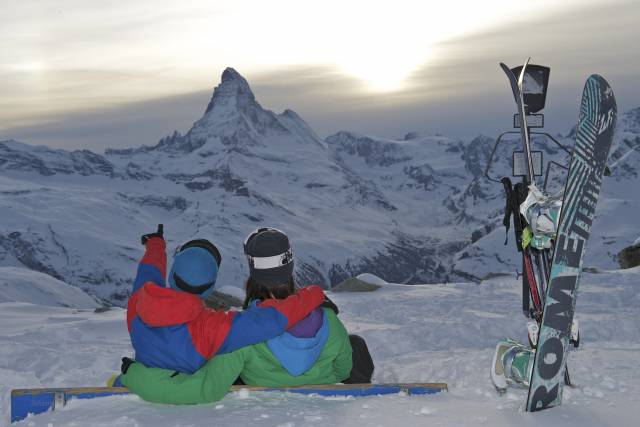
x=256, y=291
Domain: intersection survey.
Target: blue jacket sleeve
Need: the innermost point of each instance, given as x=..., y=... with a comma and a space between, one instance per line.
x=253, y=326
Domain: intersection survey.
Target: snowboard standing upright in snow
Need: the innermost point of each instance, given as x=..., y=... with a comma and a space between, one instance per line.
x=594, y=136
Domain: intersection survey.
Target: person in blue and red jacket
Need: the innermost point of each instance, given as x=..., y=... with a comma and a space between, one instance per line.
x=171, y=328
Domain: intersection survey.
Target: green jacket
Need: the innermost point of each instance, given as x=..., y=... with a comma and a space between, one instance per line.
x=256, y=365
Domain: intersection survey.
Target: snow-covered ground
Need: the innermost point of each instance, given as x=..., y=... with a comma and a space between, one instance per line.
x=442, y=333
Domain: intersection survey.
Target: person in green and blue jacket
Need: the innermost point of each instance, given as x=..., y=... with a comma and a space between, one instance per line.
x=317, y=350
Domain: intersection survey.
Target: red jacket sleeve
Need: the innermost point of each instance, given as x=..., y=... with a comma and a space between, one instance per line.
x=153, y=265
x=298, y=306
x=152, y=268
x=209, y=330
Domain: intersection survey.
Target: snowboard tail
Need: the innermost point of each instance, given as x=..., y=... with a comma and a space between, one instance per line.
x=594, y=137
x=39, y=400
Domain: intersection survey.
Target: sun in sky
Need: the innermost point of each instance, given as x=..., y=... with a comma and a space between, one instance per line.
x=379, y=43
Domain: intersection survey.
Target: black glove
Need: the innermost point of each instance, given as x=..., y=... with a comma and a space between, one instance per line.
x=126, y=362
x=327, y=303
x=159, y=233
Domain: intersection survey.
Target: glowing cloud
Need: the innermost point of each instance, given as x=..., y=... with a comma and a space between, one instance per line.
x=70, y=55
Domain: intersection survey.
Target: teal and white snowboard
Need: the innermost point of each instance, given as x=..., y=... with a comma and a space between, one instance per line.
x=594, y=136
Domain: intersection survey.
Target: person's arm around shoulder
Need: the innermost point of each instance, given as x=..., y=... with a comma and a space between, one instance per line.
x=270, y=318
x=297, y=306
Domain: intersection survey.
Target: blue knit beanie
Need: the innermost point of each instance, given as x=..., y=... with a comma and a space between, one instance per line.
x=194, y=270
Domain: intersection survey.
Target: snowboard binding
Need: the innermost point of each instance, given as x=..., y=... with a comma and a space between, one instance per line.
x=512, y=364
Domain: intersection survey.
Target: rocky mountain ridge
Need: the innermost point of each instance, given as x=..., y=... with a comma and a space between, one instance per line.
x=414, y=210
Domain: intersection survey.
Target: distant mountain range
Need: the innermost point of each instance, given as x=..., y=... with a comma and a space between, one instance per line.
x=414, y=210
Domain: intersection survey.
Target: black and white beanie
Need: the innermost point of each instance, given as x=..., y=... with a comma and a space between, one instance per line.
x=270, y=256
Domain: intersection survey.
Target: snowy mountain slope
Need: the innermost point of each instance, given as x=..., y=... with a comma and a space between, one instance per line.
x=410, y=211
x=24, y=285
x=415, y=333
x=239, y=167
x=46, y=161
x=84, y=232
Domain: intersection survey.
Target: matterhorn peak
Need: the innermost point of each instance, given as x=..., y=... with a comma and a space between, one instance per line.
x=233, y=91
x=231, y=75
x=236, y=120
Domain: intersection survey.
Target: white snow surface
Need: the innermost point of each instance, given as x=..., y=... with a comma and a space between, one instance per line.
x=422, y=333
x=234, y=291
x=24, y=285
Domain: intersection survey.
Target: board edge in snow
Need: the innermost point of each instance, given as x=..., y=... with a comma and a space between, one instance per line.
x=38, y=400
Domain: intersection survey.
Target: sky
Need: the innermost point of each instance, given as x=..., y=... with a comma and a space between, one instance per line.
x=78, y=74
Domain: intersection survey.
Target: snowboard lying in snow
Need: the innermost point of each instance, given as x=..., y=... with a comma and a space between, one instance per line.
x=38, y=400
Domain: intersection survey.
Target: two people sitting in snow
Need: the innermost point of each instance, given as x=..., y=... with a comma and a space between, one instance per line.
x=187, y=353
